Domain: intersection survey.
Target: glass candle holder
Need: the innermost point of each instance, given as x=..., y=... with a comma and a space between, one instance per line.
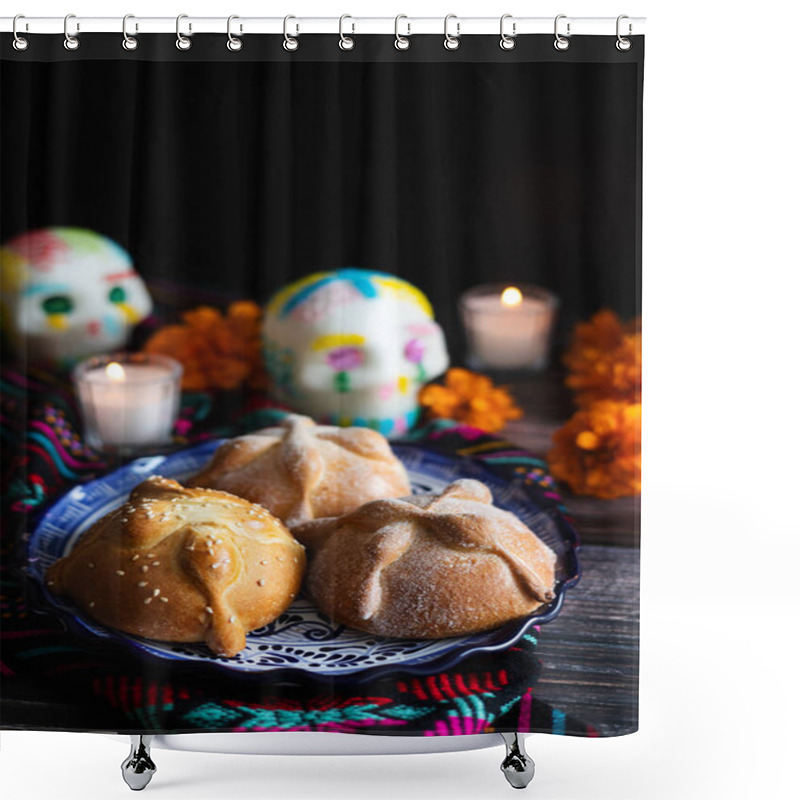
x=508, y=327
x=129, y=401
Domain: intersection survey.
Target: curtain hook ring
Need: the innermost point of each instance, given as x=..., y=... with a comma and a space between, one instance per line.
x=623, y=44
x=561, y=42
x=451, y=42
x=129, y=42
x=71, y=42
x=507, y=42
x=182, y=42
x=20, y=42
x=401, y=42
x=346, y=42
x=289, y=42
x=234, y=43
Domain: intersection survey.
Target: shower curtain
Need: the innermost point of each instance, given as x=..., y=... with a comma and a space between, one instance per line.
x=229, y=203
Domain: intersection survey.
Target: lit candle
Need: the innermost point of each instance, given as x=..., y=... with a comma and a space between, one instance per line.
x=128, y=400
x=508, y=327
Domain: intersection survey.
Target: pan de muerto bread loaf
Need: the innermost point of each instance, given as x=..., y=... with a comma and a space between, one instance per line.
x=301, y=471
x=428, y=566
x=183, y=565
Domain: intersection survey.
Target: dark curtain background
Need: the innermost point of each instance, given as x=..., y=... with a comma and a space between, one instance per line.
x=227, y=175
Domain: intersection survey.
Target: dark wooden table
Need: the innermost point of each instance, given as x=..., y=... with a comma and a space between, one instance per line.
x=590, y=652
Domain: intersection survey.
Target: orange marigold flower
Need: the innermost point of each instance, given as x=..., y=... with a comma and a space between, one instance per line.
x=244, y=310
x=202, y=317
x=470, y=398
x=599, y=451
x=605, y=360
x=217, y=351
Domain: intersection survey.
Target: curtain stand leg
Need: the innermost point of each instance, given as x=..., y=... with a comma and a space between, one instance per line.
x=517, y=766
x=138, y=768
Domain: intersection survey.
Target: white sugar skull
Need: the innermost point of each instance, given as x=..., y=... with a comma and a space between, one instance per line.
x=353, y=347
x=68, y=293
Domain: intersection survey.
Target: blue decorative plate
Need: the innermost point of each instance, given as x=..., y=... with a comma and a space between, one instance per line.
x=302, y=638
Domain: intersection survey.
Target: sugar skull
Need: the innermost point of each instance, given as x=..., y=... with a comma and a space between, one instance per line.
x=68, y=293
x=353, y=347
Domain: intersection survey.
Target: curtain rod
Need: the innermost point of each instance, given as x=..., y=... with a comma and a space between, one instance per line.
x=242, y=26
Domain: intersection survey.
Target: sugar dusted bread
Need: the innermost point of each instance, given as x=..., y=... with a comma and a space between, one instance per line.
x=428, y=566
x=301, y=471
x=183, y=565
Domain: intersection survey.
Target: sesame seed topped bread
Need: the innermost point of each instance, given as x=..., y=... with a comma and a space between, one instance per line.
x=301, y=471
x=183, y=565
x=428, y=566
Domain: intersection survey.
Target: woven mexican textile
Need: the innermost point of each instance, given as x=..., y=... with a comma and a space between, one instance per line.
x=54, y=679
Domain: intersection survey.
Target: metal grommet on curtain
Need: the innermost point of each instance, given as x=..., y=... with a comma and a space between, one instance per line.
x=451, y=42
x=20, y=42
x=129, y=42
x=401, y=42
x=507, y=42
x=623, y=44
x=561, y=42
x=346, y=42
x=70, y=42
x=234, y=43
x=289, y=42
x=182, y=42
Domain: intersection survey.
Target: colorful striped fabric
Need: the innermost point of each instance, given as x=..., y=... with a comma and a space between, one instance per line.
x=55, y=680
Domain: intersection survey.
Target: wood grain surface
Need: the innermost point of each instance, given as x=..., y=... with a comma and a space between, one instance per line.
x=590, y=652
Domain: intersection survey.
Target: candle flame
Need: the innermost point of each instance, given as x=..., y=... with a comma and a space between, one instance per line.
x=115, y=371
x=511, y=296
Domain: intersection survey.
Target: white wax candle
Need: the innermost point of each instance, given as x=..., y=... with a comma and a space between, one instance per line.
x=129, y=403
x=508, y=328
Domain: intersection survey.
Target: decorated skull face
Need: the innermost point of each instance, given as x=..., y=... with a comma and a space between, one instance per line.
x=353, y=347
x=68, y=293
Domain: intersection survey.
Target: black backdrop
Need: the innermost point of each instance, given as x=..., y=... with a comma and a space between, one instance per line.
x=227, y=175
